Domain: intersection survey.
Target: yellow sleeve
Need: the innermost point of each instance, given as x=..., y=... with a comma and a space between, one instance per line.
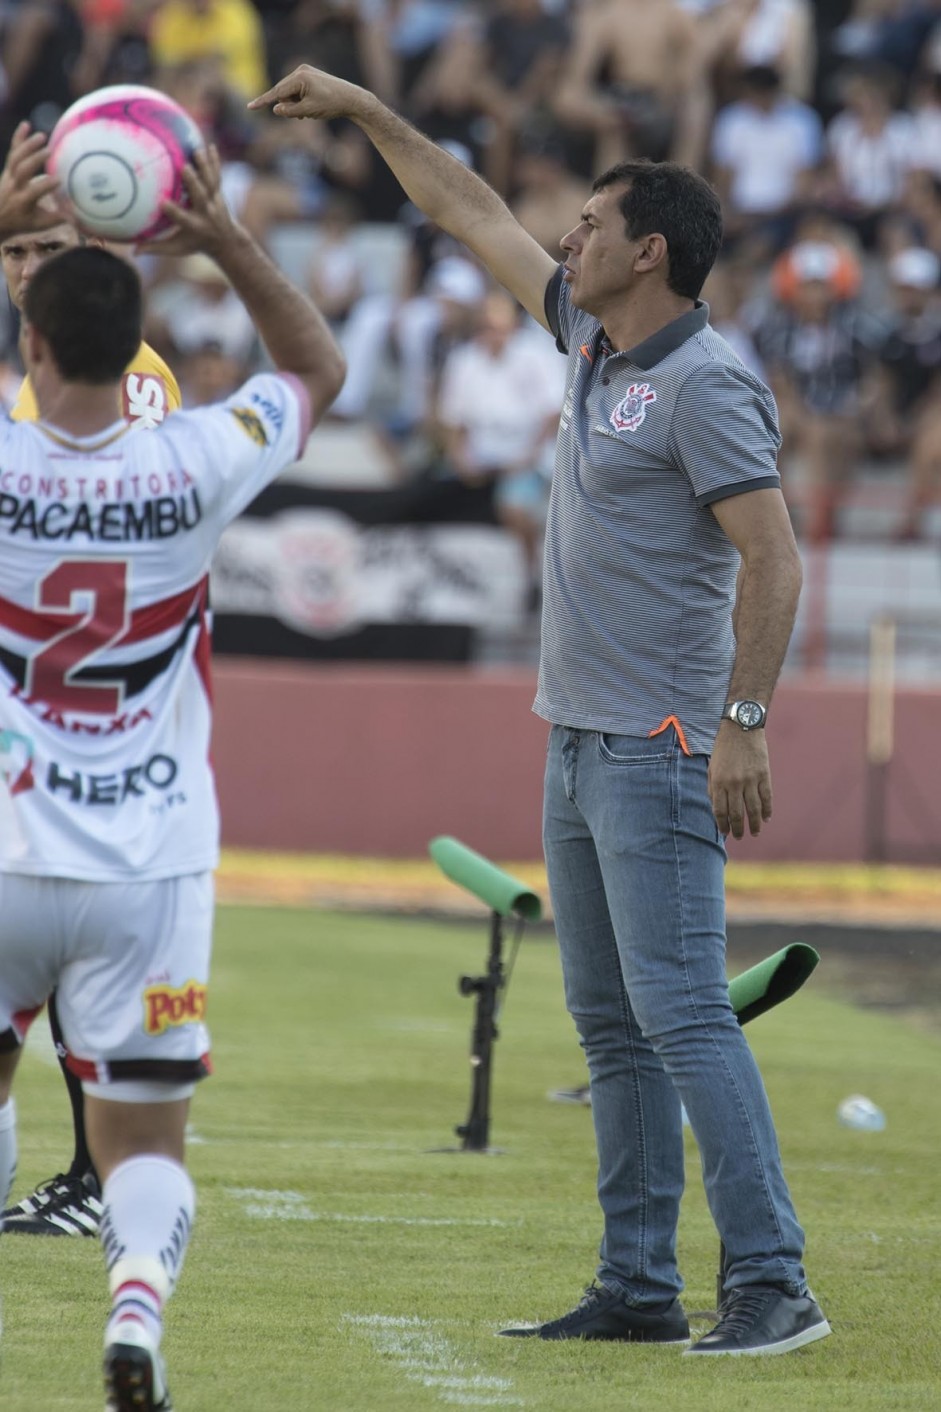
x=147, y=360
x=149, y=391
x=24, y=408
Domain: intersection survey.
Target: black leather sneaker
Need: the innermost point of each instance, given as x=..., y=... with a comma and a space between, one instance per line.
x=603, y=1314
x=762, y=1319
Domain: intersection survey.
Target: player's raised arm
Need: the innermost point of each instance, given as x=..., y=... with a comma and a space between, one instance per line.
x=293, y=330
x=455, y=198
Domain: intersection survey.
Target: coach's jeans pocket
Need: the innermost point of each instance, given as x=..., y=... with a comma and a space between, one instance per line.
x=634, y=749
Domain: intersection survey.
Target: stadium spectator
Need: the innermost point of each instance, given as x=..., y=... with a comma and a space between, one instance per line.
x=729, y=292
x=295, y=175
x=112, y=905
x=201, y=308
x=547, y=195
x=498, y=411
x=227, y=31
x=70, y=1202
x=408, y=322
x=412, y=32
x=919, y=215
x=428, y=327
x=872, y=147
x=515, y=60
x=926, y=112
x=776, y=34
x=818, y=347
x=48, y=59
x=904, y=416
x=890, y=33
x=664, y=476
x=119, y=33
x=337, y=277
x=347, y=34
x=634, y=82
x=209, y=373
x=765, y=146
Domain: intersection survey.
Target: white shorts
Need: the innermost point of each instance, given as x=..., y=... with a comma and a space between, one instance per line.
x=129, y=963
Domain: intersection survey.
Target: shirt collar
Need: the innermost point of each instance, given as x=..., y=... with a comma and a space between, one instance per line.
x=666, y=340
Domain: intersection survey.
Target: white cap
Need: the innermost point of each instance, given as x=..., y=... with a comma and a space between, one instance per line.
x=457, y=279
x=915, y=267
x=814, y=260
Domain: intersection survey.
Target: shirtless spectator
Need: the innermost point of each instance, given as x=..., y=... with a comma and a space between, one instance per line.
x=549, y=196
x=634, y=82
x=905, y=415
x=765, y=148
x=739, y=34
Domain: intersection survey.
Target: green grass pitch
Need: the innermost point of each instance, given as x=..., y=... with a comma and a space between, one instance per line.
x=339, y=1264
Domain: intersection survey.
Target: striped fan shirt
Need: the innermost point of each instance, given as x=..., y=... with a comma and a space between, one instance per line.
x=105, y=705
x=639, y=577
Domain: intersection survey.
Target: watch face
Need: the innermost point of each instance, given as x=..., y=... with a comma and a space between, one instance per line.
x=749, y=714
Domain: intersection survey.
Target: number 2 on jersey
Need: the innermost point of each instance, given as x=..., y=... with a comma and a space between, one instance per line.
x=89, y=596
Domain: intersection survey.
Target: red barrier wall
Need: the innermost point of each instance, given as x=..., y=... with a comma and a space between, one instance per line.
x=377, y=760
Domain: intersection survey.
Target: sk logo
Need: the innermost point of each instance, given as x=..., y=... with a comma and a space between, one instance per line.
x=145, y=399
x=632, y=408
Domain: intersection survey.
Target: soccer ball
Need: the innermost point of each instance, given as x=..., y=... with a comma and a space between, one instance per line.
x=118, y=153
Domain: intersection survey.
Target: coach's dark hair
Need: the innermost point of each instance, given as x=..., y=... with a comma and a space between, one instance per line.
x=673, y=201
x=88, y=306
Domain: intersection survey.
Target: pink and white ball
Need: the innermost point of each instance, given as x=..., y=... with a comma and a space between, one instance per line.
x=118, y=153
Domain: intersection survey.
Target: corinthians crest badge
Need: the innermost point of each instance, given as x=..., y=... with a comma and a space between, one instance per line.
x=632, y=408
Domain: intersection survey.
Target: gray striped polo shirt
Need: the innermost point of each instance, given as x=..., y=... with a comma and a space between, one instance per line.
x=639, y=577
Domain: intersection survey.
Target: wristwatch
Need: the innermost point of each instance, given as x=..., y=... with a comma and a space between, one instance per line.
x=750, y=715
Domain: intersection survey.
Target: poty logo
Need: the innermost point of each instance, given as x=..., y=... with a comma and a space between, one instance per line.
x=632, y=408
x=165, y=1006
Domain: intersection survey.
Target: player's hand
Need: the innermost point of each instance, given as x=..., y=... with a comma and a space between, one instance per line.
x=26, y=193
x=740, y=780
x=206, y=223
x=311, y=93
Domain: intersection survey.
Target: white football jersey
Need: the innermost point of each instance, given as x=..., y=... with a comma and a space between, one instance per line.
x=105, y=695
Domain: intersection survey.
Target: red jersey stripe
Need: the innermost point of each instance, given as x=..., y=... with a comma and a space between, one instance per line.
x=147, y=622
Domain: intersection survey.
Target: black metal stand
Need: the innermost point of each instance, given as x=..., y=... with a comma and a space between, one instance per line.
x=475, y=1132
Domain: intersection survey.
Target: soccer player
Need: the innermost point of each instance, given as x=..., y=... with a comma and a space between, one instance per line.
x=109, y=828
x=70, y=1202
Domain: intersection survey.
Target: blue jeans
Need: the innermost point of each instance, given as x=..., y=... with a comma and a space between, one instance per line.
x=635, y=865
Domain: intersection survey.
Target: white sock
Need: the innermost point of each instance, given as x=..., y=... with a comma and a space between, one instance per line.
x=149, y=1204
x=7, y=1150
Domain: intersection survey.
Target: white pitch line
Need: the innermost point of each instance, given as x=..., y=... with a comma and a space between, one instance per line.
x=291, y=1206
x=426, y=1357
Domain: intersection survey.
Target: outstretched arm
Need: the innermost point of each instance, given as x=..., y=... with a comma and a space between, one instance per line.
x=452, y=196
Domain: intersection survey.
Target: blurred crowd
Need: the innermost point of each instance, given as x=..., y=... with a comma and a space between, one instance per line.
x=819, y=124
